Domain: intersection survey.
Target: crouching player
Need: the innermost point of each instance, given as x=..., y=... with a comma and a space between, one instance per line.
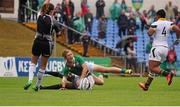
x=75, y=64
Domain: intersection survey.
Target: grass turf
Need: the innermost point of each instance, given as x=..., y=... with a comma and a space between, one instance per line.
x=117, y=91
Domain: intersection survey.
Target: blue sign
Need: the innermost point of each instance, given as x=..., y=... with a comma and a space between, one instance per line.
x=22, y=65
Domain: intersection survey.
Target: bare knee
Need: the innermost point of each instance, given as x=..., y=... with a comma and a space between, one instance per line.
x=101, y=82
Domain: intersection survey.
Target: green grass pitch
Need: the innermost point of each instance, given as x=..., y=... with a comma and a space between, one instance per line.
x=117, y=91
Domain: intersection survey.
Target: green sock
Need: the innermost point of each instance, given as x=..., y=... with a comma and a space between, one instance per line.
x=30, y=81
x=164, y=73
x=123, y=70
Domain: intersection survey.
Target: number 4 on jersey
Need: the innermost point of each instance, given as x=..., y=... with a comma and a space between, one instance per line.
x=164, y=31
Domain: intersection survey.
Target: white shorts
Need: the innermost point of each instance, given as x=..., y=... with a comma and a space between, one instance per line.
x=90, y=66
x=158, y=53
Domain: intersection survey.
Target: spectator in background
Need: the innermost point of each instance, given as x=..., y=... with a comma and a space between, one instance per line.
x=122, y=24
x=28, y=11
x=63, y=3
x=84, y=7
x=21, y=13
x=72, y=7
x=148, y=50
x=68, y=9
x=130, y=11
x=35, y=4
x=131, y=25
x=40, y=3
x=178, y=20
x=151, y=14
x=100, y=4
x=137, y=15
x=68, y=13
x=169, y=11
x=102, y=25
x=88, y=20
x=130, y=55
x=115, y=10
x=85, y=41
x=124, y=6
x=58, y=13
x=175, y=9
x=78, y=24
x=144, y=20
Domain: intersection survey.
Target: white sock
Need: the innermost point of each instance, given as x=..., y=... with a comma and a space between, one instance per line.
x=40, y=77
x=32, y=69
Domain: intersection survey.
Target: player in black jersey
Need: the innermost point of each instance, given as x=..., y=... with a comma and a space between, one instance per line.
x=43, y=43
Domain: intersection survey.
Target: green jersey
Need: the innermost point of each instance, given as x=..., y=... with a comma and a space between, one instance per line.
x=148, y=47
x=167, y=66
x=76, y=69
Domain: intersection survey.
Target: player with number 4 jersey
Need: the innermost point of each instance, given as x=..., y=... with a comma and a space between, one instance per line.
x=160, y=30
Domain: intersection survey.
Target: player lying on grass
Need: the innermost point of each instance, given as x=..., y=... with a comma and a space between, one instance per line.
x=75, y=64
x=160, y=31
x=72, y=79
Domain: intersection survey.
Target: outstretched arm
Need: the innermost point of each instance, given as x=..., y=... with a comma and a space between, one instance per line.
x=84, y=71
x=64, y=81
x=151, y=31
x=177, y=30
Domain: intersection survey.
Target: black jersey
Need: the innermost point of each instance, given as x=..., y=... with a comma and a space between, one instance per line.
x=43, y=43
x=45, y=26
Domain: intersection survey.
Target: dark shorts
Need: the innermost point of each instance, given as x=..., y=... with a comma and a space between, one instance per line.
x=42, y=47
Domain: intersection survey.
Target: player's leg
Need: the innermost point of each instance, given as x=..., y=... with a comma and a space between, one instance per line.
x=117, y=70
x=50, y=87
x=57, y=87
x=32, y=69
x=157, y=55
x=55, y=74
x=41, y=72
x=98, y=78
x=154, y=68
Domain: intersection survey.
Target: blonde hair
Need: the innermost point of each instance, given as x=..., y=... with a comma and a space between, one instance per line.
x=64, y=53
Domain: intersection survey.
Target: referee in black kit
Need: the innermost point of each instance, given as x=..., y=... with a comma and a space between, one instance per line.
x=43, y=43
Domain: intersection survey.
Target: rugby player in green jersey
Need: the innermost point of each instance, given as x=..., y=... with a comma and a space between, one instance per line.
x=75, y=64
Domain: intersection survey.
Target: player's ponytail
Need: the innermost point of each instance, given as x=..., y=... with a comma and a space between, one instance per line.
x=47, y=8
